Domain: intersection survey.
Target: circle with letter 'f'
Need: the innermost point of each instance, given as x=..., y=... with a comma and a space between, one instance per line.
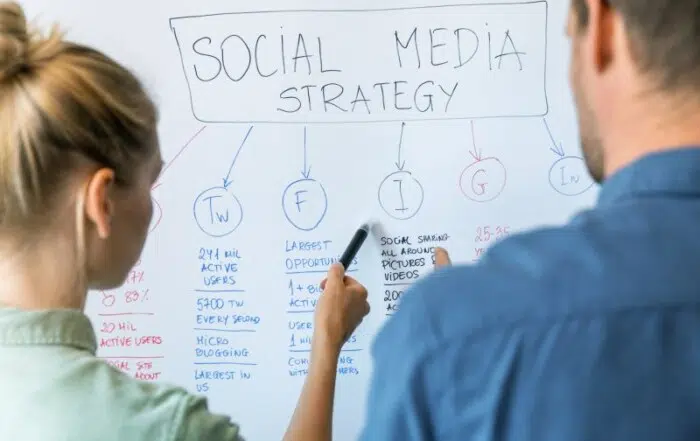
x=217, y=212
x=305, y=204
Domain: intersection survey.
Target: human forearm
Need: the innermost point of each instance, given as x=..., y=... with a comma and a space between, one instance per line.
x=313, y=417
x=340, y=309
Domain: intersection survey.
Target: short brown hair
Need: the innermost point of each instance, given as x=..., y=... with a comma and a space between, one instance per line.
x=62, y=104
x=665, y=36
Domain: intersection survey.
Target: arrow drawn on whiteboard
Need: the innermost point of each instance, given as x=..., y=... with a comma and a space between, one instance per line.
x=558, y=149
x=306, y=171
x=167, y=166
x=476, y=153
x=227, y=180
x=400, y=164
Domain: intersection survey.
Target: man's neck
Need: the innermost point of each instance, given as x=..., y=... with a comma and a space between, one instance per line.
x=658, y=124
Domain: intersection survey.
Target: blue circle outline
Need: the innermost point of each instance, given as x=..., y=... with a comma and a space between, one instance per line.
x=194, y=211
x=549, y=177
x=422, y=193
x=325, y=208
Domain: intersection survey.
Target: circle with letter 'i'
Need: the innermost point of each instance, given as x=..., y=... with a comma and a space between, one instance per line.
x=401, y=195
x=217, y=212
x=305, y=204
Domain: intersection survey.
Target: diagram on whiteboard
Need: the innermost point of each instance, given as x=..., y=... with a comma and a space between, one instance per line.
x=381, y=65
x=400, y=193
x=484, y=179
x=568, y=175
x=305, y=201
x=217, y=211
x=446, y=123
x=392, y=68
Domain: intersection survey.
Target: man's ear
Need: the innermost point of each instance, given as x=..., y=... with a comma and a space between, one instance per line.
x=99, y=204
x=600, y=34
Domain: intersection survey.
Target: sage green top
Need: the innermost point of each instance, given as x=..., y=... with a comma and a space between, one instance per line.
x=54, y=388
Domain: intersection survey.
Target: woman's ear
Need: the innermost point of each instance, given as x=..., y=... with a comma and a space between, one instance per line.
x=99, y=203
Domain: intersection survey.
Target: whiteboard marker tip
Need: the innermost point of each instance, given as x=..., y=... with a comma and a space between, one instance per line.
x=370, y=225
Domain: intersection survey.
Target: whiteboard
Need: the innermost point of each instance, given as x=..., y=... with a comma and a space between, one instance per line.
x=287, y=124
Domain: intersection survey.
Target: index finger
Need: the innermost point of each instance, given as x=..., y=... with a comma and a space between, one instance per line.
x=335, y=275
x=349, y=281
x=442, y=258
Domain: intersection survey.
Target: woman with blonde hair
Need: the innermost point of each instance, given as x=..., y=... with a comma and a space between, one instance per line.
x=79, y=154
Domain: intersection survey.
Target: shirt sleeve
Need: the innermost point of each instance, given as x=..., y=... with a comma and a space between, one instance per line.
x=198, y=423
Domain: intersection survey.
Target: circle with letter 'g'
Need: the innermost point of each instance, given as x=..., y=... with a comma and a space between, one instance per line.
x=483, y=180
x=217, y=212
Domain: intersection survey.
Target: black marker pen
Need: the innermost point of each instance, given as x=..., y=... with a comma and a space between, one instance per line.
x=355, y=244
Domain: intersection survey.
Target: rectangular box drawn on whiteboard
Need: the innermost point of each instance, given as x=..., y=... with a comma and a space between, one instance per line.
x=349, y=66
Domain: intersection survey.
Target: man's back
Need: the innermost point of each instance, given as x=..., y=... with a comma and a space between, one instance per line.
x=586, y=332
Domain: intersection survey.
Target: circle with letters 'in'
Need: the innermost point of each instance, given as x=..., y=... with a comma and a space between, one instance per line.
x=217, y=212
x=401, y=195
x=305, y=204
x=569, y=176
x=483, y=180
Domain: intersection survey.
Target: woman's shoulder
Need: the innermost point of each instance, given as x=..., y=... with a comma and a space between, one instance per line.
x=56, y=384
x=150, y=410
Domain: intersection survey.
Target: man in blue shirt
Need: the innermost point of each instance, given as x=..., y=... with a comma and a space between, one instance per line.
x=590, y=331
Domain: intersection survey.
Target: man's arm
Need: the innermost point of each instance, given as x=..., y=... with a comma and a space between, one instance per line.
x=400, y=395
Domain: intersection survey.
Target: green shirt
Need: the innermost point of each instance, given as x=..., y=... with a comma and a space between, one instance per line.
x=55, y=388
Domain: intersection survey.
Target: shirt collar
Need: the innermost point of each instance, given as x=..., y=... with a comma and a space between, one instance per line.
x=57, y=327
x=671, y=172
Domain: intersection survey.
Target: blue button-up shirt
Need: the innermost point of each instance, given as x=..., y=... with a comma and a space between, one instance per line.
x=585, y=332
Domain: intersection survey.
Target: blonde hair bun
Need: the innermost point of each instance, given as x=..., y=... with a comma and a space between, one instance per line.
x=62, y=103
x=14, y=39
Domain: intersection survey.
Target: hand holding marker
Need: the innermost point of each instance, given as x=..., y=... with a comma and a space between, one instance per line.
x=353, y=290
x=343, y=304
